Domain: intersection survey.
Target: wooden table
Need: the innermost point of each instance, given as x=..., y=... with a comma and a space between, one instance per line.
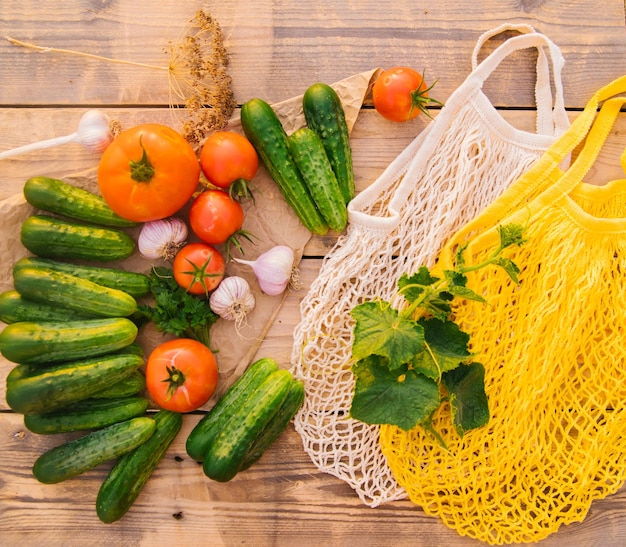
x=277, y=49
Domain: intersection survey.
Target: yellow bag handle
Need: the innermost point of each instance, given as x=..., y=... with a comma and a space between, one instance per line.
x=545, y=181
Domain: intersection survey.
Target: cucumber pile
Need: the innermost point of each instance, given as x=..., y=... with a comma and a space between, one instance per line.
x=246, y=420
x=313, y=167
x=71, y=333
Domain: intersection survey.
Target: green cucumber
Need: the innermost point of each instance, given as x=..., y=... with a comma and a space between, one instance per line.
x=32, y=389
x=267, y=135
x=310, y=157
x=86, y=414
x=46, y=342
x=210, y=425
x=73, y=293
x=73, y=458
x=279, y=423
x=51, y=237
x=228, y=450
x=131, y=385
x=134, y=283
x=14, y=307
x=129, y=475
x=324, y=114
x=57, y=196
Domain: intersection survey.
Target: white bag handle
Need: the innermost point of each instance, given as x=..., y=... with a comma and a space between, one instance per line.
x=548, y=120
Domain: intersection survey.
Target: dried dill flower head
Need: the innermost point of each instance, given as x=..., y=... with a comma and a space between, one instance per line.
x=199, y=76
x=197, y=73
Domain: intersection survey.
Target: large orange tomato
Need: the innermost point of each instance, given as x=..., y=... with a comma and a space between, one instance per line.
x=148, y=172
x=181, y=374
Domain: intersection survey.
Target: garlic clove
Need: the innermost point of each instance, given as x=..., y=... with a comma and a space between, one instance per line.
x=273, y=269
x=162, y=238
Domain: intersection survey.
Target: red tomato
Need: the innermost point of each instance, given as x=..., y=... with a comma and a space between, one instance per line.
x=229, y=160
x=181, y=375
x=198, y=268
x=401, y=93
x=215, y=217
x=148, y=172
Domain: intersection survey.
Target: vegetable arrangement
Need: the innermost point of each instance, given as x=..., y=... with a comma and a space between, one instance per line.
x=72, y=321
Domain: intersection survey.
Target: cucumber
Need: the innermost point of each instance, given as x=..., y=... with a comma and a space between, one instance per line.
x=46, y=342
x=32, y=389
x=51, y=237
x=57, y=196
x=125, y=481
x=131, y=385
x=134, y=283
x=73, y=293
x=228, y=450
x=86, y=414
x=210, y=425
x=324, y=114
x=267, y=135
x=73, y=458
x=310, y=157
x=14, y=307
x=281, y=420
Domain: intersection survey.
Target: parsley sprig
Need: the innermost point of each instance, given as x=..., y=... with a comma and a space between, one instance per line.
x=177, y=312
x=408, y=361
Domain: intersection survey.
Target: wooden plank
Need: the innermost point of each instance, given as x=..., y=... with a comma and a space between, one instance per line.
x=283, y=500
x=287, y=45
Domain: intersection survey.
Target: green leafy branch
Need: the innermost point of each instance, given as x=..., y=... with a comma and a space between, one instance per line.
x=408, y=361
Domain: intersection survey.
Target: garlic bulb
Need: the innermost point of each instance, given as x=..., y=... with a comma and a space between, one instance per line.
x=273, y=269
x=233, y=299
x=94, y=133
x=162, y=238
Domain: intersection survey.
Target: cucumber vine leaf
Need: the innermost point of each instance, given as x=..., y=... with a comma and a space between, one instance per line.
x=409, y=359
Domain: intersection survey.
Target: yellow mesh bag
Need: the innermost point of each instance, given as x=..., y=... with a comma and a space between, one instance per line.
x=554, y=350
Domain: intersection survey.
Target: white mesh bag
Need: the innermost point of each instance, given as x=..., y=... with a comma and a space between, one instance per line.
x=460, y=163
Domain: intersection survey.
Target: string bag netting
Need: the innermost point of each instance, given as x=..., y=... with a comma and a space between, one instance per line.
x=554, y=351
x=465, y=158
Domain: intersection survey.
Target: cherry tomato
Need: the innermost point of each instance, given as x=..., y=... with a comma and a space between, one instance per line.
x=214, y=216
x=400, y=94
x=181, y=375
x=198, y=268
x=148, y=172
x=229, y=161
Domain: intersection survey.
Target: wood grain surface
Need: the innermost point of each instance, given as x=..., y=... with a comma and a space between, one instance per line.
x=276, y=50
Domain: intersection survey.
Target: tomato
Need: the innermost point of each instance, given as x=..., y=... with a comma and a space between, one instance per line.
x=181, y=375
x=400, y=94
x=198, y=268
x=214, y=216
x=148, y=172
x=229, y=161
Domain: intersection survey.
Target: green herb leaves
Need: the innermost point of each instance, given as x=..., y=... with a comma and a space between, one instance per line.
x=176, y=311
x=407, y=361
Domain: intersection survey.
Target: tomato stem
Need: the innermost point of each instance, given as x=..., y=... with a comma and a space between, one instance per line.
x=142, y=170
x=420, y=99
x=240, y=189
x=175, y=379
